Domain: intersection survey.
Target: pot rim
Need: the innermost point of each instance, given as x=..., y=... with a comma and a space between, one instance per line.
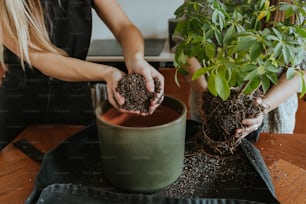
x=182, y=115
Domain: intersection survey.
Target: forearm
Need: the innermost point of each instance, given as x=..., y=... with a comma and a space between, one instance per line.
x=127, y=34
x=67, y=68
x=132, y=44
x=281, y=92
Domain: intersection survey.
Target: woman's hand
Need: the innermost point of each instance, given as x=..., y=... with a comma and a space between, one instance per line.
x=251, y=124
x=112, y=78
x=141, y=66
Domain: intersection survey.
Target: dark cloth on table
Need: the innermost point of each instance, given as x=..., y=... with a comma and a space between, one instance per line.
x=72, y=173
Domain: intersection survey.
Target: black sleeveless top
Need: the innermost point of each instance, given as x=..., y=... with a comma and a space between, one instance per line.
x=69, y=23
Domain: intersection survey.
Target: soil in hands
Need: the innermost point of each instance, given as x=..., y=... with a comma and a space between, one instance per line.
x=222, y=118
x=133, y=88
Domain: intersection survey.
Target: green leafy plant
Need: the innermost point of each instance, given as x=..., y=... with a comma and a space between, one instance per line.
x=241, y=44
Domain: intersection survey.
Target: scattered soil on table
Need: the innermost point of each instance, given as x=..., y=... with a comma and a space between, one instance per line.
x=133, y=88
x=204, y=175
x=208, y=175
x=221, y=118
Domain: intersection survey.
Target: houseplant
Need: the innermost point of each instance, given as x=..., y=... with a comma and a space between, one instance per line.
x=242, y=46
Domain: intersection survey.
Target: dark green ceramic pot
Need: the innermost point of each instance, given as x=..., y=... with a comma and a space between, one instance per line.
x=147, y=155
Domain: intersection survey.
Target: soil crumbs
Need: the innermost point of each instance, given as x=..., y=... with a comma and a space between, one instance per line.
x=133, y=88
x=221, y=118
x=207, y=175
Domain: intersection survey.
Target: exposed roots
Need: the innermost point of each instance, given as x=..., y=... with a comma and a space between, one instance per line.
x=222, y=118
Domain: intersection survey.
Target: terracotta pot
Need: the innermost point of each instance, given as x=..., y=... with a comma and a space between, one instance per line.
x=142, y=154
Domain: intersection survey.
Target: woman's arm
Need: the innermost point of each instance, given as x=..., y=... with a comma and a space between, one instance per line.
x=132, y=43
x=274, y=97
x=71, y=69
x=282, y=91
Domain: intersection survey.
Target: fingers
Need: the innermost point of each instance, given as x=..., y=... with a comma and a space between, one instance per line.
x=245, y=131
x=253, y=121
x=155, y=104
x=158, y=89
x=250, y=125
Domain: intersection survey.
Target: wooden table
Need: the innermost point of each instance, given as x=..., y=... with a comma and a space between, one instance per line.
x=281, y=152
x=285, y=156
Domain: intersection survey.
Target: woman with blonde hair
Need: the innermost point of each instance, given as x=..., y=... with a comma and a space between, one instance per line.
x=44, y=75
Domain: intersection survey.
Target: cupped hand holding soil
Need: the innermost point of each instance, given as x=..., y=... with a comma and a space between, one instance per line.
x=137, y=98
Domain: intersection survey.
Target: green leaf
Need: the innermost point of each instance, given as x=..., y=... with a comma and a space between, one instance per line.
x=218, y=36
x=266, y=84
x=255, y=50
x=286, y=54
x=211, y=84
x=210, y=50
x=301, y=31
x=303, y=91
x=251, y=75
x=244, y=43
x=221, y=86
x=271, y=68
x=209, y=34
x=277, y=49
x=200, y=72
x=290, y=74
x=252, y=85
x=230, y=65
x=248, y=68
x=273, y=77
x=182, y=58
x=182, y=71
x=277, y=32
x=230, y=32
x=272, y=38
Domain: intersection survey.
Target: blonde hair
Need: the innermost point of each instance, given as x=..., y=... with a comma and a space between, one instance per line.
x=23, y=21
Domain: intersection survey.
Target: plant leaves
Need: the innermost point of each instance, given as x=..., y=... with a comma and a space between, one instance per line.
x=273, y=77
x=301, y=31
x=255, y=50
x=218, y=36
x=251, y=75
x=290, y=74
x=200, y=72
x=265, y=84
x=303, y=91
x=253, y=85
x=230, y=32
x=271, y=68
x=244, y=43
x=211, y=84
x=248, y=68
x=221, y=86
x=210, y=50
x=286, y=54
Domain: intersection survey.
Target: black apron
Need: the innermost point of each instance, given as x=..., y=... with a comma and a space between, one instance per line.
x=31, y=97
